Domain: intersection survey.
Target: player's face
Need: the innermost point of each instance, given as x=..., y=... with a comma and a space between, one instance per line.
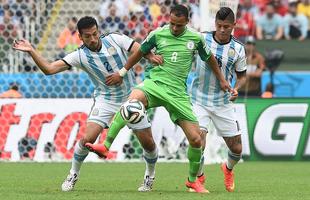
x=177, y=24
x=224, y=29
x=90, y=38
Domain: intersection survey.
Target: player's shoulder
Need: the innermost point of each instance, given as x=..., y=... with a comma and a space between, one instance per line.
x=237, y=42
x=194, y=32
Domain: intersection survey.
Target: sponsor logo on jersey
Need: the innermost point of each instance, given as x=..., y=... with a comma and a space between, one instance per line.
x=112, y=50
x=190, y=45
x=231, y=52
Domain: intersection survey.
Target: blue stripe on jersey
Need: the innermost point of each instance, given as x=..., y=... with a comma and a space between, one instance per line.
x=229, y=68
x=129, y=79
x=217, y=90
x=86, y=70
x=118, y=90
x=130, y=75
x=207, y=75
x=97, y=71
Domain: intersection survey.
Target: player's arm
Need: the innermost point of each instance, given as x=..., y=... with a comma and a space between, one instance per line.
x=46, y=67
x=241, y=74
x=138, y=51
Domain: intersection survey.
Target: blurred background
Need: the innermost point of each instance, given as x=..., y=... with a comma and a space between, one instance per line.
x=276, y=35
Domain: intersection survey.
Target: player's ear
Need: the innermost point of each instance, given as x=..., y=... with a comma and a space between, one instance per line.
x=80, y=36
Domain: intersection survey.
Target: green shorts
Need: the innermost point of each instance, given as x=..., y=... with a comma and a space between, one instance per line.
x=176, y=102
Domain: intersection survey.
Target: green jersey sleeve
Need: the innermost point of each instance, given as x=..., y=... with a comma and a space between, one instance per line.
x=149, y=43
x=203, y=50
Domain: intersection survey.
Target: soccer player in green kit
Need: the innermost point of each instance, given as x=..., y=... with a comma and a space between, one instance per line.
x=166, y=85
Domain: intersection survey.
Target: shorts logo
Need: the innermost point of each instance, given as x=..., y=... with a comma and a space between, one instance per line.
x=95, y=112
x=112, y=50
x=190, y=45
x=231, y=52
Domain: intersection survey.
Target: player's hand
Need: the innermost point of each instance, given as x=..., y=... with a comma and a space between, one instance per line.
x=234, y=94
x=225, y=86
x=156, y=60
x=114, y=79
x=22, y=45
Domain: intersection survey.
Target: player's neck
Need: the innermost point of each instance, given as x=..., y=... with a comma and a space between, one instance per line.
x=221, y=41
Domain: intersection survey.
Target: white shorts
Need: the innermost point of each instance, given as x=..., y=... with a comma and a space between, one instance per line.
x=223, y=118
x=102, y=113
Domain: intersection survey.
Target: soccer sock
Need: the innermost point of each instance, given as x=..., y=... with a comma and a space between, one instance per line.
x=117, y=124
x=80, y=153
x=232, y=160
x=201, y=167
x=194, y=157
x=150, y=162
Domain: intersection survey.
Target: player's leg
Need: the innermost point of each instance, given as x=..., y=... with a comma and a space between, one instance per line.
x=80, y=153
x=150, y=155
x=227, y=127
x=203, y=119
x=192, y=132
x=117, y=124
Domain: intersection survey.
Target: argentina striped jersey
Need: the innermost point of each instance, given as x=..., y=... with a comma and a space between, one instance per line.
x=98, y=65
x=205, y=88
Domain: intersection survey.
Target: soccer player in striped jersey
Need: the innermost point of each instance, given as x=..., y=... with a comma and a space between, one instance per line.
x=99, y=57
x=166, y=85
x=209, y=102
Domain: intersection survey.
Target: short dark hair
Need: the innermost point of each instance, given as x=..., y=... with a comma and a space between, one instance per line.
x=225, y=13
x=86, y=22
x=180, y=10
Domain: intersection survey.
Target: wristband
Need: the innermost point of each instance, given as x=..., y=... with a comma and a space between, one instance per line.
x=122, y=72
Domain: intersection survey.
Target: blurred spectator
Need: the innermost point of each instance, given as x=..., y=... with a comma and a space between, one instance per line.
x=295, y=25
x=121, y=8
x=249, y=7
x=138, y=26
x=245, y=25
x=113, y=22
x=135, y=6
x=269, y=91
x=139, y=73
x=255, y=68
x=279, y=7
x=68, y=40
x=194, y=14
x=163, y=18
x=304, y=8
x=12, y=92
x=154, y=9
x=269, y=26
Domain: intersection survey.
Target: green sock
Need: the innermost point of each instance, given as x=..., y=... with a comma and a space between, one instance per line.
x=194, y=156
x=117, y=124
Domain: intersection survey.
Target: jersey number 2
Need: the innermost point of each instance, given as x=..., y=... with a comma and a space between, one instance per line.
x=108, y=66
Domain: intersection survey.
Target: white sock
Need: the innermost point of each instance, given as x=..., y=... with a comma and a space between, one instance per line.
x=80, y=153
x=232, y=160
x=201, y=168
x=150, y=162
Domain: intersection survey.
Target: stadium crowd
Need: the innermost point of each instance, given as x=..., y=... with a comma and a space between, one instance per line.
x=258, y=19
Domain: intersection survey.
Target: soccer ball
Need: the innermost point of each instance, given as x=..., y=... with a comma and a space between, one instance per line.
x=132, y=111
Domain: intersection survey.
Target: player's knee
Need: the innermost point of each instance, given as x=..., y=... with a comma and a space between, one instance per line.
x=237, y=149
x=195, y=141
x=85, y=140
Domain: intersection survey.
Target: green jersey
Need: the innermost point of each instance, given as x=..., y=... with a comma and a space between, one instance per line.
x=177, y=52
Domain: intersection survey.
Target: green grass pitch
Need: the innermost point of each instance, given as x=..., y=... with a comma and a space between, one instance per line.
x=254, y=180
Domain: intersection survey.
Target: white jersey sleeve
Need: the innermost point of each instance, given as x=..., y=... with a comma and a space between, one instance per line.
x=73, y=59
x=122, y=40
x=241, y=61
